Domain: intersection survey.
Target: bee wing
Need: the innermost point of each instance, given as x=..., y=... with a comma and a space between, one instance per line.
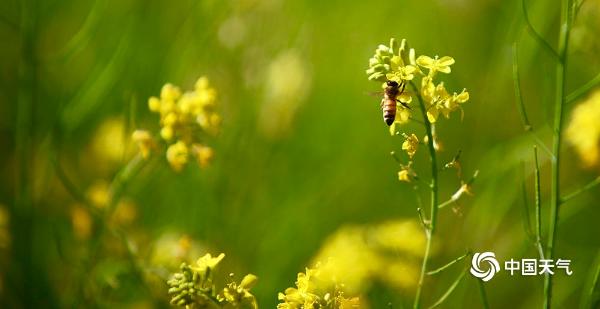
x=374, y=93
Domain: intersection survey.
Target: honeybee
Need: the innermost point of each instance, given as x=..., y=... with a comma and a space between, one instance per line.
x=390, y=99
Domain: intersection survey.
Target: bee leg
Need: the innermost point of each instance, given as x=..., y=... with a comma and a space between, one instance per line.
x=404, y=104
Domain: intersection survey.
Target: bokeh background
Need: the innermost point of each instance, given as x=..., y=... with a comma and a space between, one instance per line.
x=302, y=152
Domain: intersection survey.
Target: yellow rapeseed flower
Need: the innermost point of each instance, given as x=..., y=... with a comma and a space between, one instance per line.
x=208, y=262
x=410, y=145
x=436, y=65
x=400, y=72
x=316, y=289
x=203, y=154
x=404, y=175
x=177, y=155
x=186, y=118
x=144, y=141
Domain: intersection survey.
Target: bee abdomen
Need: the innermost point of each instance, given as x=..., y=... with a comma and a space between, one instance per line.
x=389, y=111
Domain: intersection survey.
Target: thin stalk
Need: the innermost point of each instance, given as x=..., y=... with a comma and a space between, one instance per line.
x=581, y=91
x=117, y=187
x=483, y=294
x=561, y=70
x=22, y=211
x=439, y=270
x=536, y=35
x=538, y=205
x=526, y=220
x=517, y=85
x=588, y=299
x=446, y=203
x=434, y=197
x=575, y=193
x=450, y=289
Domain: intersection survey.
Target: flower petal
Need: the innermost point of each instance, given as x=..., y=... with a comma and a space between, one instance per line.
x=425, y=61
x=446, y=61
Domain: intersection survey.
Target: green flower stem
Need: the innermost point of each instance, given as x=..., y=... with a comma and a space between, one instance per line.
x=22, y=210
x=536, y=35
x=538, y=205
x=434, y=196
x=575, y=193
x=575, y=95
x=439, y=270
x=589, y=298
x=446, y=203
x=484, y=300
x=561, y=70
x=116, y=189
x=517, y=85
x=450, y=289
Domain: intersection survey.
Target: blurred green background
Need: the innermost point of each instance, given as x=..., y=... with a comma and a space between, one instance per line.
x=302, y=150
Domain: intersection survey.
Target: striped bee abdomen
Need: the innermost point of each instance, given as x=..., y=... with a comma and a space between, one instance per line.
x=388, y=106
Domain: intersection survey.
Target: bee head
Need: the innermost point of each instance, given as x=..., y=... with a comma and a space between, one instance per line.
x=391, y=83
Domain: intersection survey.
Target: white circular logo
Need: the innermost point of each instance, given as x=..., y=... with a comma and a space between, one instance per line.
x=484, y=258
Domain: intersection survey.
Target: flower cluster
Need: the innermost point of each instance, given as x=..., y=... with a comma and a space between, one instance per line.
x=313, y=291
x=193, y=287
x=184, y=119
x=398, y=62
x=436, y=97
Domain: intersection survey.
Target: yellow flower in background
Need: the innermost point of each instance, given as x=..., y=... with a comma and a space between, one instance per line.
x=98, y=194
x=186, y=118
x=109, y=142
x=286, y=85
x=171, y=249
x=144, y=141
x=170, y=92
x=583, y=131
x=125, y=213
x=82, y=222
x=359, y=255
x=410, y=145
x=4, y=227
x=203, y=154
x=398, y=236
x=177, y=155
